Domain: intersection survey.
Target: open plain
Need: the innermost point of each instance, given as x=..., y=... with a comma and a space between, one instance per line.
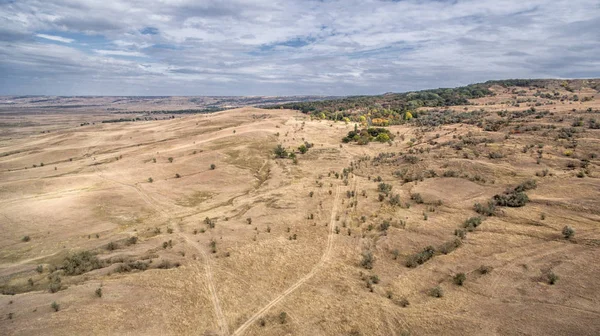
x=192, y=225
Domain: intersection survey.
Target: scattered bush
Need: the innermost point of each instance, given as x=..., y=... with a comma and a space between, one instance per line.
x=459, y=279
x=282, y=317
x=421, y=257
x=367, y=260
x=81, y=262
x=512, y=199
x=436, y=292
x=417, y=198
x=280, y=152
x=568, y=232
x=486, y=210
x=471, y=223
x=450, y=246
x=483, y=269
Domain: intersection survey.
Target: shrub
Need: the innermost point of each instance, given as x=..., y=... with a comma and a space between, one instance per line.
x=150, y=179
x=417, y=198
x=568, y=232
x=170, y=160
x=177, y=175
x=26, y=238
x=40, y=269
x=552, y=278
x=310, y=194
x=280, y=152
x=495, y=155
x=111, y=246
x=421, y=257
x=459, y=279
x=81, y=262
x=367, y=260
x=486, y=210
x=450, y=246
x=394, y=200
x=212, y=166
x=55, y=306
x=384, y=188
x=132, y=240
x=483, y=269
x=471, y=223
x=282, y=317
x=513, y=199
x=303, y=149
x=436, y=292
x=403, y=302
x=527, y=185
x=460, y=233
x=249, y=220
x=99, y=292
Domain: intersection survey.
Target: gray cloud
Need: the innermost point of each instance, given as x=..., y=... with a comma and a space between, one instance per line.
x=289, y=47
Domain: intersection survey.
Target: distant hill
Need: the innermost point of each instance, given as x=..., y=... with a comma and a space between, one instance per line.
x=393, y=106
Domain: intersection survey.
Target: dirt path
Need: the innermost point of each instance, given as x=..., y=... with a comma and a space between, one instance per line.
x=324, y=258
x=211, y=285
x=222, y=323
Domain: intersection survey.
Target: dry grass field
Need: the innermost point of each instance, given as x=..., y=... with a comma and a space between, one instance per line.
x=191, y=225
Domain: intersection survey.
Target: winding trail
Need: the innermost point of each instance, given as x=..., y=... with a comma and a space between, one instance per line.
x=221, y=321
x=301, y=281
x=211, y=285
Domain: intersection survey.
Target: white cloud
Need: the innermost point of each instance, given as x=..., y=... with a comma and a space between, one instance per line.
x=119, y=53
x=293, y=47
x=55, y=38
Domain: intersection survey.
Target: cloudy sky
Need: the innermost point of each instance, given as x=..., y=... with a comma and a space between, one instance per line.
x=285, y=47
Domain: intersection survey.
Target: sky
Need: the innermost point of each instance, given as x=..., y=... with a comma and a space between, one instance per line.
x=281, y=47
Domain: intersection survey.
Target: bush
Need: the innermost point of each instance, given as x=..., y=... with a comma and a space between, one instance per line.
x=483, y=269
x=450, y=246
x=282, y=317
x=132, y=240
x=40, y=269
x=459, y=279
x=552, y=278
x=55, y=306
x=436, y=292
x=171, y=160
x=403, y=302
x=421, y=257
x=280, y=152
x=527, y=185
x=471, y=223
x=303, y=149
x=111, y=246
x=486, y=210
x=177, y=175
x=513, y=199
x=568, y=232
x=26, y=239
x=150, y=179
x=81, y=262
x=367, y=260
x=212, y=166
x=417, y=198
x=99, y=292
x=384, y=188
